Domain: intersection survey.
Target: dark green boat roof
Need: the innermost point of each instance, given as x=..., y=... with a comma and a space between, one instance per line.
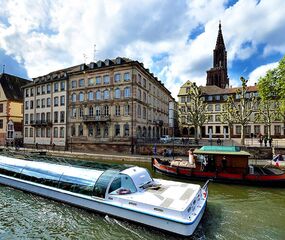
x=221, y=150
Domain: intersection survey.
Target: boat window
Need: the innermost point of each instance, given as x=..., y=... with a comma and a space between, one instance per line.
x=103, y=182
x=42, y=176
x=122, y=184
x=10, y=170
x=79, y=180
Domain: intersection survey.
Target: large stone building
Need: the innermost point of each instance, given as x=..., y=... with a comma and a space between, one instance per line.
x=11, y=108
x=215, y=94
x=108, y=104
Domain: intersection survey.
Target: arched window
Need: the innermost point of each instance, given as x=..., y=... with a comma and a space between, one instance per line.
x=127, y=92
x=81, y=96
x=106, y=94
x=73, y=97
x=90, y=96
x=98, y=95
x=117, y=93
x=91, y=111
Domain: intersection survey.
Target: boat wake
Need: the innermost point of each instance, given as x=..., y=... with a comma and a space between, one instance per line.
x=115, y=221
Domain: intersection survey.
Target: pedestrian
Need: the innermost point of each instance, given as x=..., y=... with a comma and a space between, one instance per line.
x=260, y=141
x=270, y=141
x=219, y=141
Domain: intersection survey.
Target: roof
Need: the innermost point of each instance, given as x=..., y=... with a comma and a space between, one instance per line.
x=221, y=150
x=214, y=90
x=12, y=86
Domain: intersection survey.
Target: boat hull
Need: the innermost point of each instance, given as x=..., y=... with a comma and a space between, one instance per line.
x=248, y=179
x=106, y=207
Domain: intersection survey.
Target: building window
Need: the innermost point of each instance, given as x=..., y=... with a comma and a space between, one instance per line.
x=74, y=84
x=90, y=96
x=144, y=82
x=127, y=92
x=210, y=107
x=126, y=76
x=117, y=130
x=31, y=104
x=48, y=132
x=126, y=130
x=90, y=130
x=55, y=101
x=277, y=130
x=31, y=118
x=81, y=112
x=144, y=112
x=81, y=96
x=26, y=118
x=218, y=107
x=1, y=123
x=90, y=81
x=217, y=97
x=73, y=112
x=106, y=131
x=55, y=87
x=256, y=129
x=61, y=132
x=43, y=89
x=139, y=79
x=139, y=94
x=43, y=132
x=38, y=132
x=117, y=77
x=218, y=129
x=117, y=93
x=91, y=111
x=106, y=94
x=26, y=132
x=139, y=111
x=81, y=83
x=98, y=80
x=73, y=97
x=98, y=95
x=48, y=117
x=106, y=110
x=62, y=116
x=73, y=130
x=1, y=107
x=210, y=118
x=238, y=129
x=144, y=97
x=117, y=110
x=43, y=103
x=10, y=130
x=98, y=130
x=27, y=92
x=48, y=102
x=38, y=90
x=48, y=88
x=31, y=132
x=55, y=132
x=210, y=98
x=217, y=118
x=97, y=111
x=55, y=117
x=38, y=103
x=62, y=86
x=106, y=79
x=225, y=97
x=80, y=130
x=62, y=100
x=127, y=110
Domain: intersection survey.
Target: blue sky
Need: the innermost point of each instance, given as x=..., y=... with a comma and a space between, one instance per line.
x=174, y=39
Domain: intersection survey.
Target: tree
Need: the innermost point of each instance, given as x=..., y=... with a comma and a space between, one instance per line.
x=196, y=108
x=271, y=90
x=227, y=117
x=242, y=108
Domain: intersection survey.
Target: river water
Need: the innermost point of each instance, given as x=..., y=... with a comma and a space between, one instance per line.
x=233, y=212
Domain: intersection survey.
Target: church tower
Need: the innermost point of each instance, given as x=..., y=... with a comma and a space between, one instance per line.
x=218, y=74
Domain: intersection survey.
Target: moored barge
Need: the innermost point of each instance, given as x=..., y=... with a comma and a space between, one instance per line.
x=226, y=164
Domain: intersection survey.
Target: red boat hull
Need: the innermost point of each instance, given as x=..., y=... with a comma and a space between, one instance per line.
x=248, y=179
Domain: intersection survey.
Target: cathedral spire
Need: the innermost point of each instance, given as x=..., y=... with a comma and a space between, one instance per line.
x=218, y=74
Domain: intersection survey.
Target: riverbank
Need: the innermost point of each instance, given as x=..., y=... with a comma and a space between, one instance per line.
x=120, y=157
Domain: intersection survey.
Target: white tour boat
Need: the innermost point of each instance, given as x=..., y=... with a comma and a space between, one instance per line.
x=129, y=193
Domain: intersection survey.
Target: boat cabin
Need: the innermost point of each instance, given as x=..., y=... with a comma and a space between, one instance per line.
x=228, y=159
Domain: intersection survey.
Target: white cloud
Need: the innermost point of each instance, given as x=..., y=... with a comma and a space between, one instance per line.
x=46, y=35
x=260, y=72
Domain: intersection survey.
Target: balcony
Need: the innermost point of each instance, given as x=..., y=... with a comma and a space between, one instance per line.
x=101, y=118
x=40, y=123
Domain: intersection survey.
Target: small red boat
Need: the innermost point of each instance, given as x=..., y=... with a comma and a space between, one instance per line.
x=222, y=164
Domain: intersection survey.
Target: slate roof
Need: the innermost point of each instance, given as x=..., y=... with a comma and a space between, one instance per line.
x=12, y=86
